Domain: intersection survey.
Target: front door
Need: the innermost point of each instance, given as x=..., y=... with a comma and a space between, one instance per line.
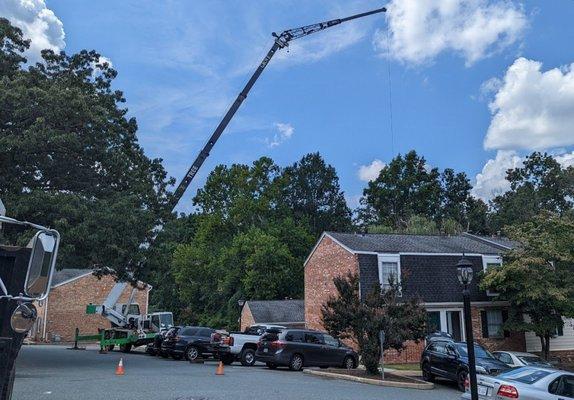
x=454, y=327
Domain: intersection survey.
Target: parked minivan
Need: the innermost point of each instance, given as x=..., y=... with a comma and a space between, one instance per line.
x=297, y=348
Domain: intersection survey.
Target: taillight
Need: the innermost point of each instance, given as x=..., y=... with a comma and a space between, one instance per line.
x=466, y=383
x=508, y=391
x=228, y=341
x=278, y=344
x=259, y=344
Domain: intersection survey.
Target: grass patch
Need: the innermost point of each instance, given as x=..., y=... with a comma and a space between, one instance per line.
x=404, y=367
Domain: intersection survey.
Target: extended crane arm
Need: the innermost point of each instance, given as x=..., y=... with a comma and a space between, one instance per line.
x=282, y=40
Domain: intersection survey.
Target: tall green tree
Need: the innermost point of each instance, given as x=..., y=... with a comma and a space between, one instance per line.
x=541, y=184
x=407, y=190
x=537, y=277
x=347, y=317
x=312, y=192
x=70, y=159
x=246, y=245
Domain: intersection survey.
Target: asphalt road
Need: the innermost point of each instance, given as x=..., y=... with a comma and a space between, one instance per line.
x=53, y=372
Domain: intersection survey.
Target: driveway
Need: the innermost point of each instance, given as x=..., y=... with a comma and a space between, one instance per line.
x=53, y=372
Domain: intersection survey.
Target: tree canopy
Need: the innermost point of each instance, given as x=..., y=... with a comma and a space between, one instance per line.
x=408, y=188
x=70, y=158
x=537, y=277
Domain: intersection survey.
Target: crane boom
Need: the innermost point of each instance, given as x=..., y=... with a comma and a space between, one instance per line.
x=281, y=40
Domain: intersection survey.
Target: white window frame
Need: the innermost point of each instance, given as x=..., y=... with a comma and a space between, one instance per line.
x=491, y=260
x=389, y=258
x=444, y=322
x=500, y=335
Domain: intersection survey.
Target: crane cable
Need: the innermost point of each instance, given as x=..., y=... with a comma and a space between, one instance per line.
x=390, y=82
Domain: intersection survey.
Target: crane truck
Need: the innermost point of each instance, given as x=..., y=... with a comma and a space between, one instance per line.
x=129, y=328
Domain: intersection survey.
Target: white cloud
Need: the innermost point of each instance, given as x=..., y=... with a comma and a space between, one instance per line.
x=284, y=133
x=370, y=172
x=38, y=23
x=421, y=30
x=532, y=109
x=492, y=180
x=566, y=160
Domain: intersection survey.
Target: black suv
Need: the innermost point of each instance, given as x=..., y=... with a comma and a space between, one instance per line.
x=449, y=359
x=295, y=348
x=191, y=342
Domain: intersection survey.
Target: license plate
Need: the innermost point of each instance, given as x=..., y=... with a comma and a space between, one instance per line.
x=482, y=390
x=266, y=350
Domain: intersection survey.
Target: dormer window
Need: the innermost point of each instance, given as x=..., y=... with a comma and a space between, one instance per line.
x=389, y=270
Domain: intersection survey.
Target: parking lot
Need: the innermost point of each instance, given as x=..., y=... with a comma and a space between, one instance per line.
x=53, y=372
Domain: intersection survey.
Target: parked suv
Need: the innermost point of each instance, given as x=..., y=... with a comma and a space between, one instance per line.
x=449, y=359
x=191, y=342
x=295, y=348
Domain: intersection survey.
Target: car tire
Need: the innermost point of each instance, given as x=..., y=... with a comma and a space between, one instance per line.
x=271, y=366
x=296, y=363
x=192, y=353
x=349, y=363
x=248, y=357
x=460, y=378
x=426, y=372
x=163, y=354
x=125, y=348
x=228, y=359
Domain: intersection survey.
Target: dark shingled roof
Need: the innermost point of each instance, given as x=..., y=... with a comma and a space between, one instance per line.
x=396, y=243
x=274, y=311
x=67, y=274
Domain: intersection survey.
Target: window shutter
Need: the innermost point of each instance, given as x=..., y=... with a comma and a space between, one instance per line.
x=484, y=323
x=560, y=330
x=504, y=318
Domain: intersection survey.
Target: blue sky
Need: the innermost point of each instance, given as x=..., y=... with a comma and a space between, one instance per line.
x=476, y=84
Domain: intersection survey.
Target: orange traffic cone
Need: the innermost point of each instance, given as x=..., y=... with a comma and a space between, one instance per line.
x=219, y=370
x=120, y=368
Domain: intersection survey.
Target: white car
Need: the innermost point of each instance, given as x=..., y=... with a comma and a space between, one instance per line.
x=245, y=344
x=525, y=383
x=518, y=359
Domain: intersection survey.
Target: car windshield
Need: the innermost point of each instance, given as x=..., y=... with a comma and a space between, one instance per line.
x=524, y=375
x=166, y=319
x=479, y=351
x=532, y=360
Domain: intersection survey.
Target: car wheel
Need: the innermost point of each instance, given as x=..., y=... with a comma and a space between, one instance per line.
x=125, y=348
x=192, y=353
x=163, y=354
x=461, y=377
x=349, y=363
x=427, y=374
x=177, y=357
x=296, y=363
x=271, y=366
x=248, y=357
x=228, y=359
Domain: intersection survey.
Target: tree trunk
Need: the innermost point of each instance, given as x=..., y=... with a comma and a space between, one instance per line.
x=545, y=346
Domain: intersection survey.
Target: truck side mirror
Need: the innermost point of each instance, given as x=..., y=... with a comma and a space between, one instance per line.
x=42, y=263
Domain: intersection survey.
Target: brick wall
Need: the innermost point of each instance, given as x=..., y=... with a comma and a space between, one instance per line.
x=66, y=306
x=246, y=317
x=515, y=342
x=329, y=261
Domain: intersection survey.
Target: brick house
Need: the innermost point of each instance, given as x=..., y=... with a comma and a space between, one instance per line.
x=290, y=313
x=426, y=268
x=65, y=308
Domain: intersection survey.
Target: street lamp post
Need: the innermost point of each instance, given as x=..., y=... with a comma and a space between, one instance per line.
x=465, y=273
x=240, y=303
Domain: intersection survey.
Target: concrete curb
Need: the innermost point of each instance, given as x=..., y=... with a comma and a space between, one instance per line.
x=416, y=384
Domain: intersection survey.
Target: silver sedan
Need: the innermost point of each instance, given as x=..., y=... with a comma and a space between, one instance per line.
x=525, y=383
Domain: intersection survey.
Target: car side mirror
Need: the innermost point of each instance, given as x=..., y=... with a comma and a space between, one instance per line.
x=41, y=266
